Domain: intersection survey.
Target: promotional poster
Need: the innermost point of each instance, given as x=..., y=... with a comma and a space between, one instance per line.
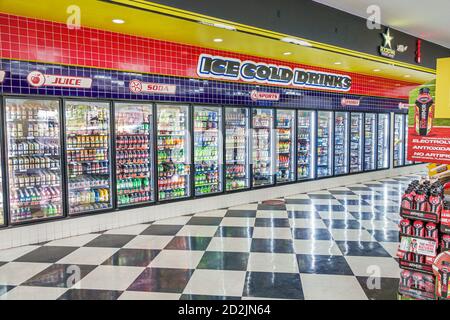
x=429, y=124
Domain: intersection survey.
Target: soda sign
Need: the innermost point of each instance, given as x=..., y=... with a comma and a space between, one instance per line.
x=2, y=76
x=38, y=79
x=137, y=86
x=266, y=96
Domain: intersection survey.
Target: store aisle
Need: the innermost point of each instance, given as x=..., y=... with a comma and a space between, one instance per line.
x=332, y=244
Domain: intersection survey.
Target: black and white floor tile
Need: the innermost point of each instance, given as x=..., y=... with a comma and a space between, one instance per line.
x=330, y=244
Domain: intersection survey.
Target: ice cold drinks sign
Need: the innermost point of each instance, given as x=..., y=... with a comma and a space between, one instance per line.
x=234, y=69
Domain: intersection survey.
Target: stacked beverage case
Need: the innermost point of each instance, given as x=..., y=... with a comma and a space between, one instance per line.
x=422, y=206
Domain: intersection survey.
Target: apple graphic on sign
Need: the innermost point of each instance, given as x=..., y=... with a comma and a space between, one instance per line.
x=36, y=79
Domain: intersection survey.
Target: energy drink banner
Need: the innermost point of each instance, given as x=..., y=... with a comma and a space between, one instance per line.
x=429, y=119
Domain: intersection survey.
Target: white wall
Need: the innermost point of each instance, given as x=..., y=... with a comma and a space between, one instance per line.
x=31, y=234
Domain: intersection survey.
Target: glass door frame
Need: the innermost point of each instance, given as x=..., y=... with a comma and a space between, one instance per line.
x=348, y=132
x=403, y=144
x=294, y=145
x=153, y=131
x=248, y=155
x=332, y=143
x=272, y=146
x=112, y=155
x=313, y=144
x=362, y=144
x=388, y=140
x=192, y=142
x=375, y=138
x=5, y=167
x=406, y=135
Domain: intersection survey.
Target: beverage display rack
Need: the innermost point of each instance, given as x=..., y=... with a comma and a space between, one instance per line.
x=88, y=156
x=236, y=149
x=420, y=239
x=134, y=147
x=207, y=150
x=34, y=160
x=285, y=128
x=305, y=144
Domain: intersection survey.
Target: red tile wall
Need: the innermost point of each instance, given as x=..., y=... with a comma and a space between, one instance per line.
x=45, y=41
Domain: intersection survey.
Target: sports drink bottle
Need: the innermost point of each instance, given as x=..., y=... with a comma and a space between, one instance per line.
x=405, y=278
x=431, y=230
x=418, y=229
x=417, y=281
x=420, y=200
x=405, y=226
x=436, y=202
x=408, y=199
x=424, y=112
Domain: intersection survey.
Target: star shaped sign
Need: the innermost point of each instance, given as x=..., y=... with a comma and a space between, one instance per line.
x=388, y=38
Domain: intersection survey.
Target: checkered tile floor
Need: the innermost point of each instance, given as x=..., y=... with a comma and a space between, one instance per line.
x=331, y=244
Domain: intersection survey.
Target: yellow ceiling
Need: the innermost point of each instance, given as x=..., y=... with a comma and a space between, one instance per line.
x=159, y=22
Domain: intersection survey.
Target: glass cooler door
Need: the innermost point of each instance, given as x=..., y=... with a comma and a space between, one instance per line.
x=399, y=138
x=285, y=129
x=262, y=147
x=88, y=156
x=325, y=144
x=173, y=152
x=370, y=126
x=2, y=212
x=356, y=143
x=306, y=129
x=34, y=159
x=134, y=153
x=237, y=148
x=383, y=141
x=207, y=150
x=341, y=143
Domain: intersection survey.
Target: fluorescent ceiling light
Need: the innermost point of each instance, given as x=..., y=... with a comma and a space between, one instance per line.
x=118, y=21
x=296, y=41
x=219, y=25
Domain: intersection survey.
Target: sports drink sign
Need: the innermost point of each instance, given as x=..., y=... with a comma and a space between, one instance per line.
x=429, y=119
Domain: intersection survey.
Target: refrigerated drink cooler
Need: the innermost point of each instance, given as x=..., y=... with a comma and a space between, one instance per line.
x=34, y=159
x=207, y=150
x=134, y=153
x=399, y=140
x=306, y=130
x=237, y=149
x=285, y=147
x=370, y=141
x=325, y=144
x=263, y=166
x=383, y=141
x=341, y=143
x=356, y=142
x=173, y=152
x=88, y=156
